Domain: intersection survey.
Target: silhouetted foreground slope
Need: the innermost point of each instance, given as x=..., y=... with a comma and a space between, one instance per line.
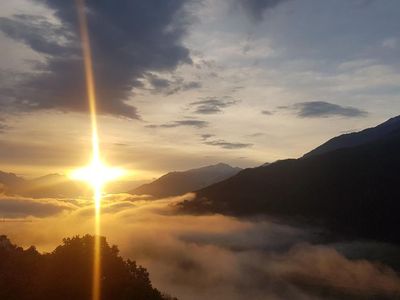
x=66, y=273
x=353, y=190
x=178, y=183
x=358, y=138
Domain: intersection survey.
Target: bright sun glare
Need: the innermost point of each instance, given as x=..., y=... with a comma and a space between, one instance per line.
x=97, y=174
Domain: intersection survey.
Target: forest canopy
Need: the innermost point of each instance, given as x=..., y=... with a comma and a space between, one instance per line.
x=66, y=272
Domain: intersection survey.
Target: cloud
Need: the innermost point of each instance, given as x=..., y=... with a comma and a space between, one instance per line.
x=321, y=109
x=157, y=82
x=256, y=8
x=128, y=40
x=206, y=136
x=219, y=257
x=227, y=145
x=256, y=134
x=390, y=43
x=19, y=207
x=181, y=123
x=212, y=105
x=267, y=112
x=191, y=85
x=323, y=268
x=168, y=86
x=3, y=126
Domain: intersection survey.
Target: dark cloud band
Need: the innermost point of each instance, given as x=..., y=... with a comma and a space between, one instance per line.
x=128, y=39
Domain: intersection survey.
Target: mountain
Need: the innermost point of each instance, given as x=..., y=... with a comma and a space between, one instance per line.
x=178, y=183
x=9, y=181
x=358, y=138
x=51, y=186
x=56, y=186
x=352, y=190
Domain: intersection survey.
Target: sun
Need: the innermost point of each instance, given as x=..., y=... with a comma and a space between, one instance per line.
x=97, y=174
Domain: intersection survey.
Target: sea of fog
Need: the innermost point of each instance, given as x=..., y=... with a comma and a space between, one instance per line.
x=212, y=257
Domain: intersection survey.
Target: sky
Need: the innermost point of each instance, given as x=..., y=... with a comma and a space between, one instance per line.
x=183, y=83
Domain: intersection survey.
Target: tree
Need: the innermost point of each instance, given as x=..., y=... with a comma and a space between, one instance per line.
x=66, y=273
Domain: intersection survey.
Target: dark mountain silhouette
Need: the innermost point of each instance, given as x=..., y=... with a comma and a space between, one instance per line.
x=178, y=183
x=358, y=138
x=66, y=273
x=353, y=190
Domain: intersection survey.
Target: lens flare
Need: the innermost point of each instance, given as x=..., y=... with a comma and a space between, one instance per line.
x=97, y=173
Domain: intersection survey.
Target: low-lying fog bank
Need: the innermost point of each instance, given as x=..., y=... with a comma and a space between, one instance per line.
x=212, y=256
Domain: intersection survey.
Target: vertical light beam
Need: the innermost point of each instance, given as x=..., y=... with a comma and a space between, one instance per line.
x=91, y=94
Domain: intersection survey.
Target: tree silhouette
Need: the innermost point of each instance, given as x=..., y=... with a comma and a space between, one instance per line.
x=66, y=273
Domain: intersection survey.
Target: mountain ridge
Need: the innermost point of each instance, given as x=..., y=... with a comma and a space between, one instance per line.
x=352, y=190
x=358, y=138
x=180, y=182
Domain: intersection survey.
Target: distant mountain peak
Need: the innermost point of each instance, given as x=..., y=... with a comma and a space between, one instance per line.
x=393, y=120
x=181, y=182
x=10, y=180
x=221, y=164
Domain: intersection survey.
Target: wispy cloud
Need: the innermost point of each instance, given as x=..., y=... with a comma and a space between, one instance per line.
x=3, y=126
x=208, y=139
x=212, y=105
x=256, y=8
x=170, y=86
x=227, y=145
x=321, y=109
x=267, y=112
x=206, y=136
x=181, y=123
